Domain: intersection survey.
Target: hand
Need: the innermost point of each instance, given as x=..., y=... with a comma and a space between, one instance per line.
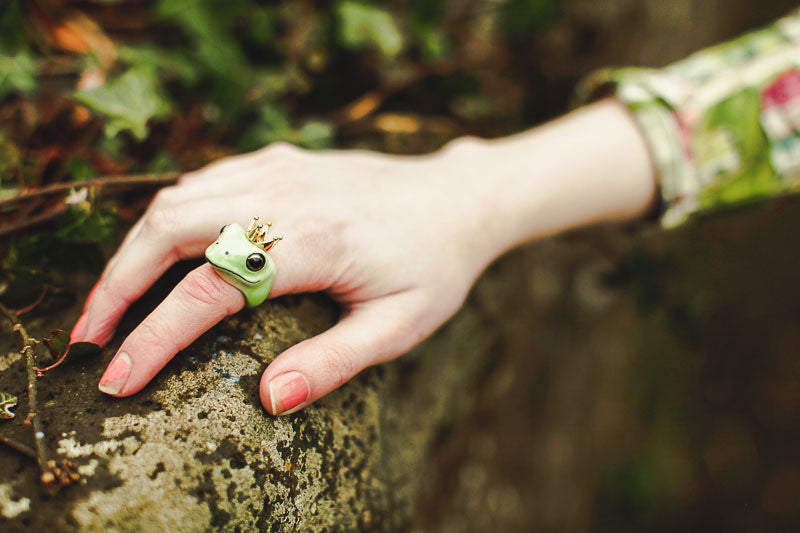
x=388, y=237
x=397, y=241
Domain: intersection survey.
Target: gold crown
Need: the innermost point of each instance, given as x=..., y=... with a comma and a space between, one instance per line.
x=257, y=234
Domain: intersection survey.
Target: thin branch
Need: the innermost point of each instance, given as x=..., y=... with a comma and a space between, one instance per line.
x=107, y=182
x=18, y=446
x=54, y=474
x=42, y=453
x=166, y=178
x=32, y=221
x=34, y=304
x=61, y=359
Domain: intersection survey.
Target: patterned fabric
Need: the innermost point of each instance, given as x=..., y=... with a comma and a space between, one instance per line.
x=723, y=125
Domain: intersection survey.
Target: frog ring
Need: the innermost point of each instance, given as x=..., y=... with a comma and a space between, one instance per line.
x=240, y=257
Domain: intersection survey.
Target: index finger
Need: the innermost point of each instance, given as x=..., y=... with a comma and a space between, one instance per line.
x=198, y=302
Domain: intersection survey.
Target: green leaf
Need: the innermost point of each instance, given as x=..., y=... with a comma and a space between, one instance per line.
x=57, y=342
x=275, y=126
x=211, y=25
x=88, y=225
x=426, y=25
x=17, y=73
x=83, y=349
x=315, y=135
x=363, y=25
x=128, y=102
x=9, y=157
x=169, y=63
x=261, y=23
x=14, y=30
x=163, y=162
x=8, y=193
x=80, y=169
x=7, y=402
x=522, y=17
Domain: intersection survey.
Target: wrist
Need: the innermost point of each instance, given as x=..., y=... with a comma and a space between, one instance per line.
x=588, y=167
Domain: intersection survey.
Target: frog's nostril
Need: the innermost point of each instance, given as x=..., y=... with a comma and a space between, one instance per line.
x=226, y=252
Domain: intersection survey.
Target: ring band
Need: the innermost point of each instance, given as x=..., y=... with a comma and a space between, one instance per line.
x=240, y=257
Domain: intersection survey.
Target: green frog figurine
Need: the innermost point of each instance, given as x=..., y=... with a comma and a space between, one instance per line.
x=240, y=257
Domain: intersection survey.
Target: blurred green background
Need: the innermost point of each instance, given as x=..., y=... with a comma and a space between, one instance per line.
x=658, y=382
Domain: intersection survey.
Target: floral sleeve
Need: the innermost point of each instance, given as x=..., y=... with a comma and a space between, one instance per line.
x=723, y=125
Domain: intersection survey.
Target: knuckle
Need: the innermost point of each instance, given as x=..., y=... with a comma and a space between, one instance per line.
x=154, y=337
x=340, y=362
x=187, y=177
x=466, y=142
x=205, y=287
x=465, y=145
x=110, y=292
x=281, y=150
x=162, y=220
x=167, y=196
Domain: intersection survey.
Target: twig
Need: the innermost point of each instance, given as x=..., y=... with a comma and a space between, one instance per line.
x=42, y=454
x=34, y=304
x=61, y=359
x=99, y=183
x=32, y=221
x=21, y=448
x=106, y=182
x=54, y=474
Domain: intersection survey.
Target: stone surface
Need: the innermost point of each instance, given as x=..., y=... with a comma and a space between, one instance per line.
x=195, y=451
x=583, y=373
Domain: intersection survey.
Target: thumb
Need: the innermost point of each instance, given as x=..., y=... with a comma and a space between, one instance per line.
x=369, y=333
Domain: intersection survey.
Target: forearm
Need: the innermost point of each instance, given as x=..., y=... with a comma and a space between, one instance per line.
x=716, y=130
x=590, y=166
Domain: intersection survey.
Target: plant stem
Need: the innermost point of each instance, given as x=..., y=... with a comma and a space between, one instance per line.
x=42, y=455
x=21, y=448
x=105, y=181
x=100, y=184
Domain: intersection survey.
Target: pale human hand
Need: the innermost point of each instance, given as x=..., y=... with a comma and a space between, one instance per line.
x=397, y=241
x=387, y=237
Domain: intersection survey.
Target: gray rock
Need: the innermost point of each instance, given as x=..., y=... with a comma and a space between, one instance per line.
x=195, y=451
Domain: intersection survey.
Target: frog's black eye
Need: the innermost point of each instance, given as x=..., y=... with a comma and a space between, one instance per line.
x=255, y=262
x=223, y=228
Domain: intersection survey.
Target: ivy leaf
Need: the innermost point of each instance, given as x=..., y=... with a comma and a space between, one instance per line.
x=57, y=342
x=80, y=169
x=168, y=63
x=9, y=153
x=524, y=16
x=128, y=102
x=211, y=29
x=7, y=402
x=14, y=30
x=77, y=350
x=17, y=73
x=315, y=135
x=363, y=25
x=88, y=225
x=275, y=126
x=426, y=22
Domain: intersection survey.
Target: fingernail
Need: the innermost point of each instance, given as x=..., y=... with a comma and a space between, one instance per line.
x=287, y=391
x=79, y=331
x=116, y=374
